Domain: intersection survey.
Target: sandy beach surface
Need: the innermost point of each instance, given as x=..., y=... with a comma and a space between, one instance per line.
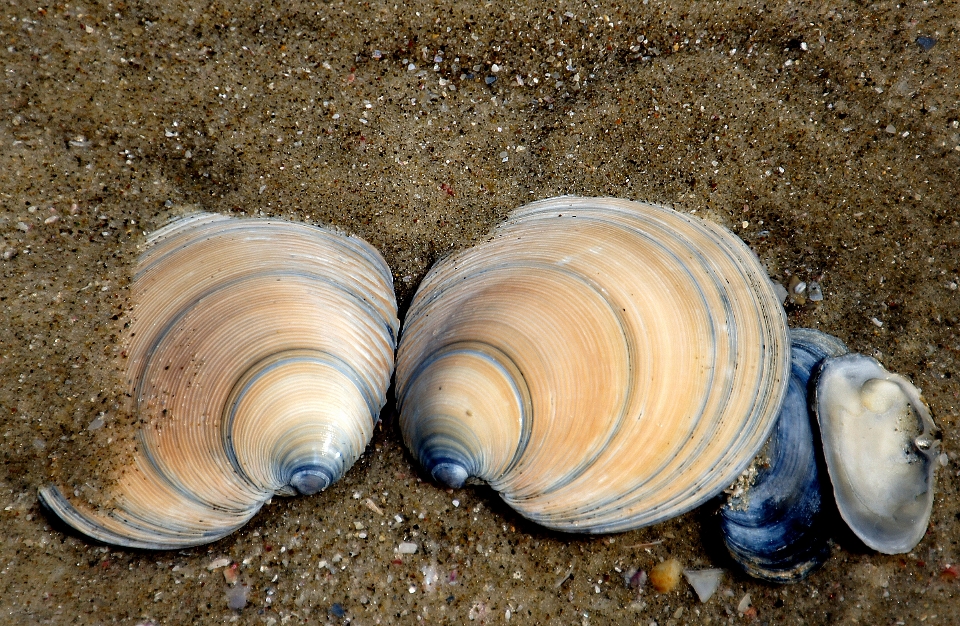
x=825, y=135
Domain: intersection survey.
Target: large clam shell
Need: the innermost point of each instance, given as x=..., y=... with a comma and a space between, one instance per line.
x=603, y=364
x=259, y=356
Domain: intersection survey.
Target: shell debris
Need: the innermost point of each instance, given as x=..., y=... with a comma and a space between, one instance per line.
x=705, y=582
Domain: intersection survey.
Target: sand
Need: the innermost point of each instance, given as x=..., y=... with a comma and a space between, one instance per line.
x=827, y=136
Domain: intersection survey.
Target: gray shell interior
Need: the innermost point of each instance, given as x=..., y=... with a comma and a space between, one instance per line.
x=881, y=445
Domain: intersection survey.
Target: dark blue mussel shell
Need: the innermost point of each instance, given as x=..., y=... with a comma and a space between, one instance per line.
x=774, y=529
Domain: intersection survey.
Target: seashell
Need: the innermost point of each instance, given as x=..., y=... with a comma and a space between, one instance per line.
x=259, y=355
x=602, y=364
x=775, y=527
x=881, y=447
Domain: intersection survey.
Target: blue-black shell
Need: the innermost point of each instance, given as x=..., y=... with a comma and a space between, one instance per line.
x=775, y=529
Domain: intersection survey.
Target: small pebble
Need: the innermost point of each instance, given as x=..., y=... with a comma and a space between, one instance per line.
x=230, y=574
x=337, y=610
x=407, y=548
x=237, y=597
x=665, y=576
x=927, y=43
x=490, y=80
x=744, y=604
x=635, y=578
x=798, y=291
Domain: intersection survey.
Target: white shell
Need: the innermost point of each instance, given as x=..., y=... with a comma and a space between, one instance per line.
x=881, y=448
x=603, y=364
x=259, y=355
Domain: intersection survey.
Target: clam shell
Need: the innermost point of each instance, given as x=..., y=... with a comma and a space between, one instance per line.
x=602, y=364
x=881, y=447
x=776, y=527
x=259, y=355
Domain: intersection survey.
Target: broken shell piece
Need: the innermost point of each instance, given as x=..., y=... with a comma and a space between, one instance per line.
x=881, y=446
x=814, y=292
x=780, y=290
x=704, y=581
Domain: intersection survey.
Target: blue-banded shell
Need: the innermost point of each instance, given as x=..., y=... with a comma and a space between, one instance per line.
x=881, y=447
x=776, y=526
x=259, y=355
x=602, y=364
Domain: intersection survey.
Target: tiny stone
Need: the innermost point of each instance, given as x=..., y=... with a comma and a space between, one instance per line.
x=891, y=129
x=237, y=597
x=665, y=576
x=876, y=322
x=407, y=548
x=635, y=579
x=927, y=43
x=744, y=604
x=96, y=424
x=797, y=289
x=337, y=610
x=490, y=80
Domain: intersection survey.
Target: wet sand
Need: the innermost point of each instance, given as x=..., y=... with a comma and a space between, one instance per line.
x=828, y=139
